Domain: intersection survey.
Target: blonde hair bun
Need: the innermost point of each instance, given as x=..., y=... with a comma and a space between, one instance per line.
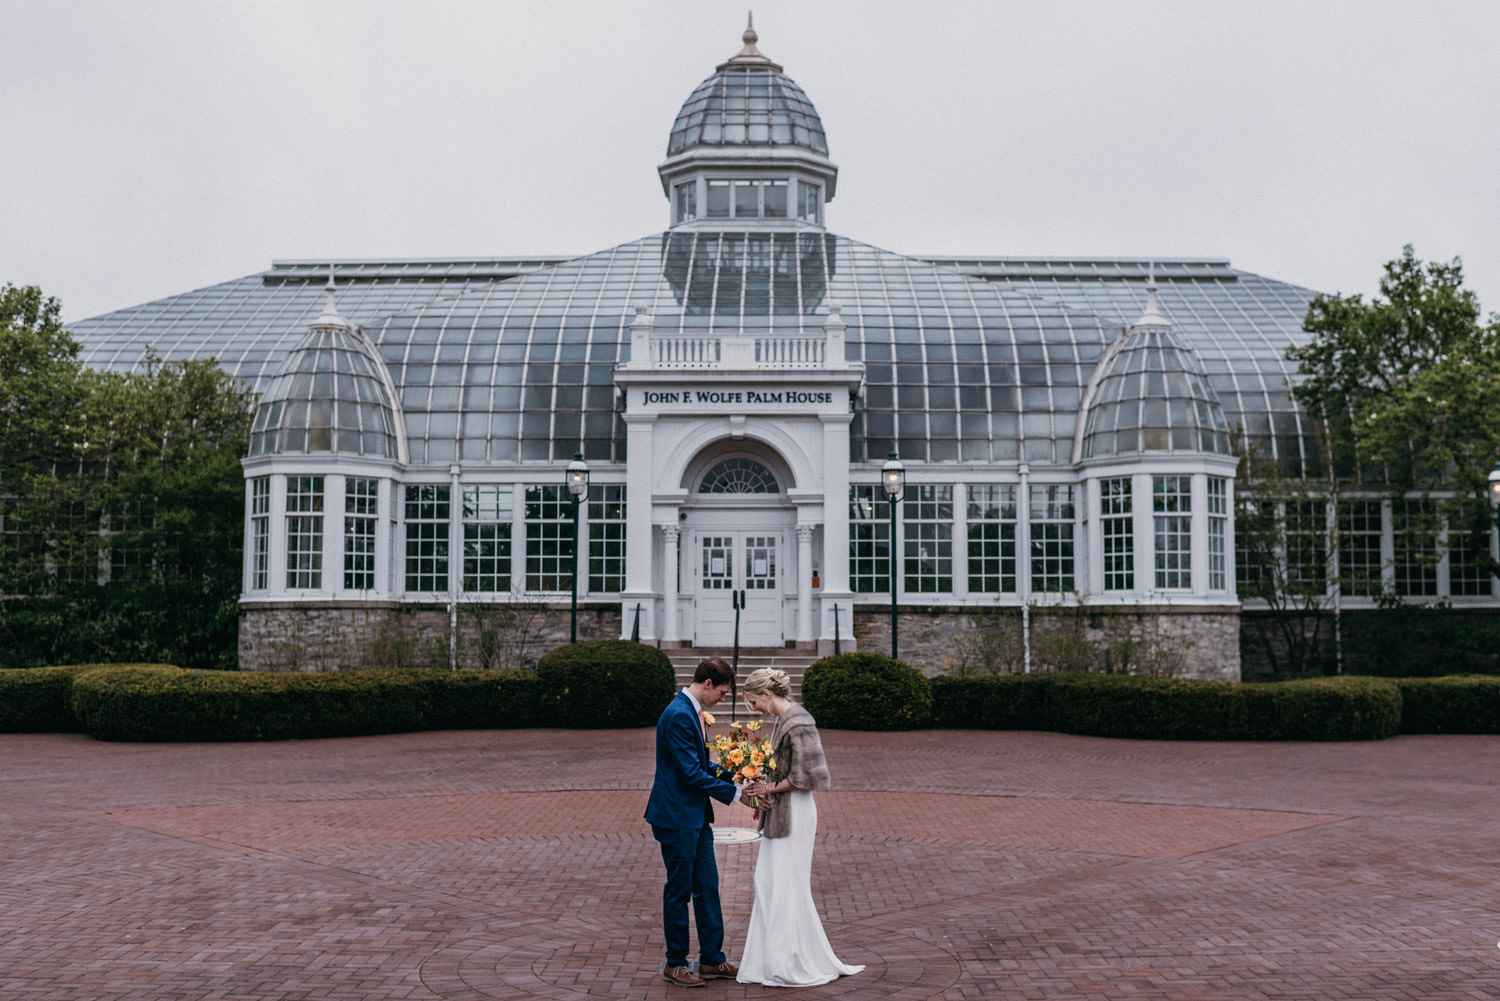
x=767, y=680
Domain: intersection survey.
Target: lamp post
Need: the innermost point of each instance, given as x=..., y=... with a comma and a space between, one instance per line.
x=893, y=482
x=577, y=478
x=1495, y=492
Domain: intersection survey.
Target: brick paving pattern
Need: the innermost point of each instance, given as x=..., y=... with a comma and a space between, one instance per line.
x=955, y=865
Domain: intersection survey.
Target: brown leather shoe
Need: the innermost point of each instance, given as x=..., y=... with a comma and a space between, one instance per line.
x=682, y=976
x=717, y=971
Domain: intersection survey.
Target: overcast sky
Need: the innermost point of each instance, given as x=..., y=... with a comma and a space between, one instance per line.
x=154, y=147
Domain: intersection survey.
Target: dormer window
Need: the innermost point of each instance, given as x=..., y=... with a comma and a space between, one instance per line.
x=687, y=201
x=773, y=199
x=747, y=199
x=809, y=202
x=718, y=199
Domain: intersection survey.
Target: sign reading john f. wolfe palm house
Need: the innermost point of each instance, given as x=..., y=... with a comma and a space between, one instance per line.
x=735, y=384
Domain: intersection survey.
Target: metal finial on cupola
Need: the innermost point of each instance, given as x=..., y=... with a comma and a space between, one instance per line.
x=750, y=55
x=1153, y=316
x=330, y=317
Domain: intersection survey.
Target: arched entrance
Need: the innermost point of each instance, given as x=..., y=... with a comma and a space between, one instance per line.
x=738, y=552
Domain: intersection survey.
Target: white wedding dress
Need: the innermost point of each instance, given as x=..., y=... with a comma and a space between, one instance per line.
x=786, y=946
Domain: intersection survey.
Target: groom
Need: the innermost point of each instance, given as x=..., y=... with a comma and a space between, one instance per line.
x=680, y=814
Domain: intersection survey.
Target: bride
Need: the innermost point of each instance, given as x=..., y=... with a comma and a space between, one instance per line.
x=786, y=946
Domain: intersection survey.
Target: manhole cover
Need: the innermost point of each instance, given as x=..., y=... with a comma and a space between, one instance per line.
x=735, y=835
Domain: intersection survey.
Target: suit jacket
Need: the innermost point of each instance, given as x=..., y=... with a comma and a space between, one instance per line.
x=684, y=778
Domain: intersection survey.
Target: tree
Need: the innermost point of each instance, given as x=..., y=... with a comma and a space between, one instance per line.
x=124, y=502
x=42, y=387
x=1283, y=537
x=1406, y=386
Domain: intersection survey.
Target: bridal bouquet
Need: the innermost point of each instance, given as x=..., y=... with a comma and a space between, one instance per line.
x=742, y=754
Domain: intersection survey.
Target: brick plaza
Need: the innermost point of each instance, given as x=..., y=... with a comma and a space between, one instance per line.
x=514, y=865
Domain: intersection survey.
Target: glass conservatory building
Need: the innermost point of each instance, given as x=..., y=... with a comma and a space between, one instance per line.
x=735, y=385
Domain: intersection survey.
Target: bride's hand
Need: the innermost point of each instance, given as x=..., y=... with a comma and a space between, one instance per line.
x=755, y=788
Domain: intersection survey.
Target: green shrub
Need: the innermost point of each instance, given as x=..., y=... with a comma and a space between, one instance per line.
x=1341, y=708
x=37, y=699
x=1149, y=708
x=867, y=691
x=165, y=703
x=1172, y=708
x=604, y=683
x=1455, y=704
x=483, y=700
x=990, y=702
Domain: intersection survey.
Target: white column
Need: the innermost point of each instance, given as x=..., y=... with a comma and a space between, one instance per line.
x=960, y=540
x=455, y=533
x=1091, y=503
x=455, y=558
x=670, y=560
x=638, y=495
x=836, y=591
x=1143, y=504
x=385, y=521
x=277, y=518
x=1023, y=561
x=1231, y=572
x=804, y=584
x=333, y=532
x=1198, y=520
x=640, y=337
x=640, y=542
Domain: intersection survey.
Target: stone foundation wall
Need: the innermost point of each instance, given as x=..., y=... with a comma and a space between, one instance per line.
x=1162, y=640
x=351, y=636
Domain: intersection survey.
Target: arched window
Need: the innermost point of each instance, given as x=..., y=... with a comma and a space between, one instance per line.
x=739, y=476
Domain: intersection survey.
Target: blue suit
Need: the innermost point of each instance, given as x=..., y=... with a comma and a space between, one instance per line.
x=680, y=813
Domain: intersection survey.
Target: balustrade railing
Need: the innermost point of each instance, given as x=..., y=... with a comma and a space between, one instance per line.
x=676, y=350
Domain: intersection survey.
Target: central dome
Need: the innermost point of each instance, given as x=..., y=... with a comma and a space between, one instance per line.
x=748, y=102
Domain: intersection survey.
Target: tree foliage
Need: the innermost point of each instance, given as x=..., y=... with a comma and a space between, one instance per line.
x=1406, y=385
x=122, y=501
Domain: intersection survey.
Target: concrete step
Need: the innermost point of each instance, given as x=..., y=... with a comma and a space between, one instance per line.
x=685, y=661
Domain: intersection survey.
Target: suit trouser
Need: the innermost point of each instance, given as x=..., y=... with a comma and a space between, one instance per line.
x=692, y=874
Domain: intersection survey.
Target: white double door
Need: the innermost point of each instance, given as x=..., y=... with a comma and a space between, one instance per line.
x=738, y=570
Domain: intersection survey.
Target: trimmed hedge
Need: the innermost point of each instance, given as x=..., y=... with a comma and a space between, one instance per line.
x=1460, y=703
x=605, y=686
x=165, y=703
x=867, y=691
x=1100, y=705
x=36, y=699
x=604, y=683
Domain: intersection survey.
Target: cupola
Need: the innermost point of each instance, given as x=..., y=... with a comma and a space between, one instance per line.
x=332, y=394
x=748, y=148
x=1150, y=394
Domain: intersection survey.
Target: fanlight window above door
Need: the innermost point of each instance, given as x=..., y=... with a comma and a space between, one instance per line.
x=739, y=476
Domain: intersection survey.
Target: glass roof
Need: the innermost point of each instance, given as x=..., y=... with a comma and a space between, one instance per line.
x=1239, y=324
x=747, y=105
x=966, y=361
